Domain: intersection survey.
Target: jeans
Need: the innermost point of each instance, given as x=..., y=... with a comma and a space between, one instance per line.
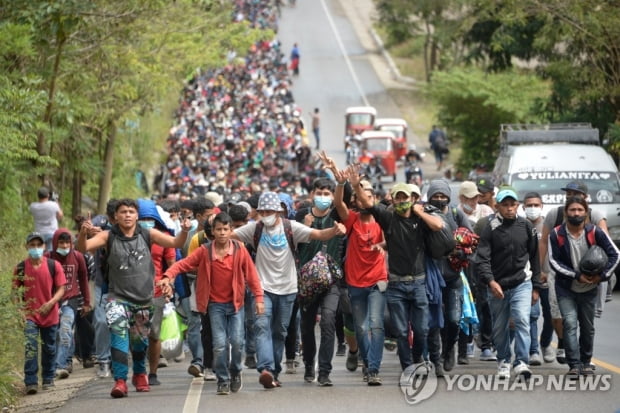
x=64, y=344
x=102, y=332
x=270, y=331
x=452, y=307
x=250, y=317
x=547, y=331
x=291, y=344
x=328, y=303
x=32, y=333
x=368, y=305
x=194, y=326
x=227, y=327
x=578, y=311
x=516, y=305
x=408, y=306
x=534, y=316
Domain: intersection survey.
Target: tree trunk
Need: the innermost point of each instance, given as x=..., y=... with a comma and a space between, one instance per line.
x=427, y=41
x=105, y=186
x=76, y=199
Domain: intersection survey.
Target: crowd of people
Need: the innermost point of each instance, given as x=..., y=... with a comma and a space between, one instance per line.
x=241, y=214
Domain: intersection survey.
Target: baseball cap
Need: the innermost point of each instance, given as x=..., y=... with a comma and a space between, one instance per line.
x=34, y=235
x=407, y=189
x=269, y=201
x=577, y=186
x=485, y=184
x=468, y=189
x=506, y=192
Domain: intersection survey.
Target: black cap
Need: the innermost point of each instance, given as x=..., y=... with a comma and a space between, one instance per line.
x=34, y=235
x=485, y=184
x=577, y=186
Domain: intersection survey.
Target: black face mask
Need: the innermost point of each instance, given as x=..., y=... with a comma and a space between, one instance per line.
x=439, y=204
x=576, y=221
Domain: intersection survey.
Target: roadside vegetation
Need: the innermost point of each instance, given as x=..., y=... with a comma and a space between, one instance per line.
x=479, y=63
x=87, y=89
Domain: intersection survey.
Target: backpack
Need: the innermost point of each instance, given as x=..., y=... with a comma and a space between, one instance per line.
x=317, y=276
x=590, y=236
x=288, y=232
x=51, y=267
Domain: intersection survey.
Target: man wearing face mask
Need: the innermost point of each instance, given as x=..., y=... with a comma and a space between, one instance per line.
x=320, y=215
x=76, y=273
x=445, y=338
x=507, y=243
x=404, y=230
x=43, y=282
x=276, y=265
x=468, y=203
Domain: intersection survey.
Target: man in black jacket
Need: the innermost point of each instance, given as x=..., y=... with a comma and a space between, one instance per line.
x=508, y=243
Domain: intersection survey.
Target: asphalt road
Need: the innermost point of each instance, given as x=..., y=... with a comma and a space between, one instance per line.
x=332, y=82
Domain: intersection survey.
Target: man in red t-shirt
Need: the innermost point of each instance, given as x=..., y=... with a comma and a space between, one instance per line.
x=41, y=293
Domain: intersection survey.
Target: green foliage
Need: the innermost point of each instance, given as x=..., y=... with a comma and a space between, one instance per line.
x=472, y=104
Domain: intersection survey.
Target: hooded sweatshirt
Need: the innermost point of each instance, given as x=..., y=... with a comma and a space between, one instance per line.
x=74, y=266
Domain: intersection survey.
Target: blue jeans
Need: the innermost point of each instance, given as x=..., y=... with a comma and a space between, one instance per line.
x=102, y=331
x=578, y=311
x=64, y=344
x=193, y=336
x=250, y=317
x=227, y=327
x=534, y=316
x=516, y=305
x=48, y=352
x=408, y=305
x=270, y=330
x=367, y=306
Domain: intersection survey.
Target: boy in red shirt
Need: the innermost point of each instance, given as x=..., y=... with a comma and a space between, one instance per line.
x=223, y=267
x=41, y=292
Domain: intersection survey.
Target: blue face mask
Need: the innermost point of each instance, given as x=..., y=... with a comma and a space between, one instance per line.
x=147, y=224
x=35, y=253
x=63, y=251
x=322, y=202
x=194, y=225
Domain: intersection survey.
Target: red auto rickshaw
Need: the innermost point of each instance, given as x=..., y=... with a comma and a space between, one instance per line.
x=358, y=119
x=399, y=128
x=381, y=145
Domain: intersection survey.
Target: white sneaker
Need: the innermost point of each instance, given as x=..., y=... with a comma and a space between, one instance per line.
x=548, y=354
x=522, y=369
x=209, y=375
x=487, y=355
x=535, y=359
x=560, y=356
x=503, y=371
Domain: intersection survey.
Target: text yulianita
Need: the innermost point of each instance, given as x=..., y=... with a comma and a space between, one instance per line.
x=472, y=382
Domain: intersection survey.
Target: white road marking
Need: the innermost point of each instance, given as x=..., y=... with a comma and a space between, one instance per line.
x=193, y=395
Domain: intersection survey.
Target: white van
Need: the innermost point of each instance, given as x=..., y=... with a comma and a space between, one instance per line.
x=544, y=158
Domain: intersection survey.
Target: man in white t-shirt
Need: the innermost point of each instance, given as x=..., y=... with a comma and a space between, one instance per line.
x=46, y=215
x=277, y=271
x=468, y=202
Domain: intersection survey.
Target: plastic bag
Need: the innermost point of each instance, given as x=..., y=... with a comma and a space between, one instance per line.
x=171, y=334
x=469, y=314
x=593, y=261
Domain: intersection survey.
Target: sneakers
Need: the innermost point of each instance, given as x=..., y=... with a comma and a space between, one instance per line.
x=548, y=354
x=162, y=362
x=470, y=350
x=62, y=373
x=535, y=359
x=119, y=390
x=487, y=355
x=522, y=369
x=374, y=379
x=389, y=345
x=325, y=381
x=573, y=374
x=180, y=357
x=309, y=374
x=462, y=359
x=32, y=389
x=342, y=349
x=586, y=370
x=195, y=370
x=438, y=369
x=448, y=361
x=290, y=367
x=267, y=380
x=141, y=382
x=503, y=371
x=560, y=356
x=250, y=362
x=153, y=380
x=104, y=369
x=223, y=388
x=364, y=374
x=48, y=385
x=352, y=361
x=89, y=362
x=209, y=375
x=235, y=382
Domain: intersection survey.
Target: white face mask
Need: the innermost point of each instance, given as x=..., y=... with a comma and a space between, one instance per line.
x=533, y=213
x=269, y=220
